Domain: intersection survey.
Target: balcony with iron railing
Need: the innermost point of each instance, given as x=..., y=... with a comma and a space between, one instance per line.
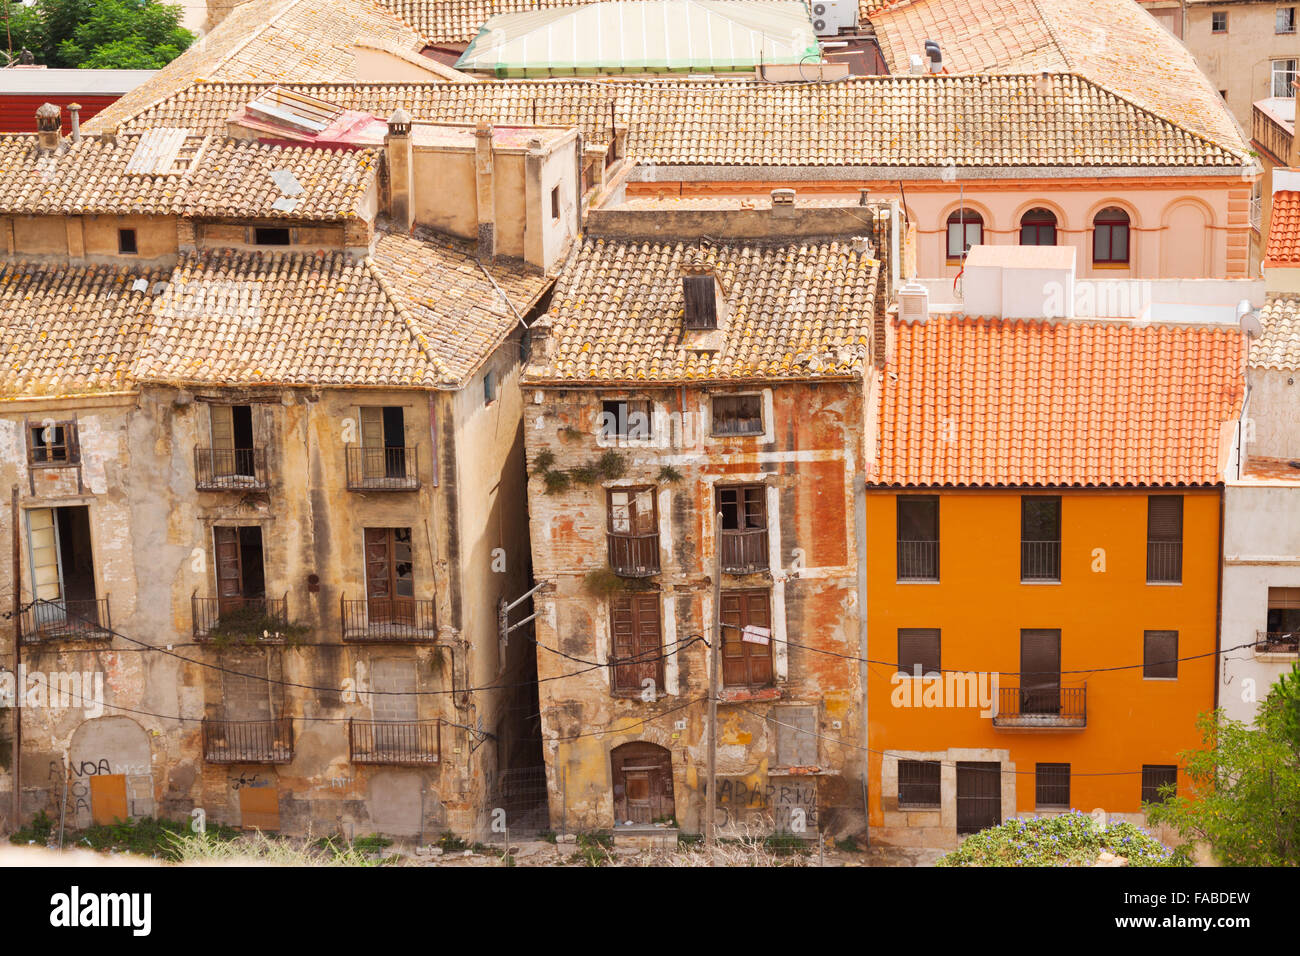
x=64, y=620
x=1277, y=642
x=383, y=468
x=388, y=620
x=744, y=551
x=1040, y=561
x=230, y=469
x=633, y=555
x=918, y=560
x=404, y=743
x=1041, y=708
x=240, y=619
x=1164, y=562
x=248, y=741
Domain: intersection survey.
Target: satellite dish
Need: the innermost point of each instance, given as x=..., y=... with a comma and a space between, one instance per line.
x=1248, y=318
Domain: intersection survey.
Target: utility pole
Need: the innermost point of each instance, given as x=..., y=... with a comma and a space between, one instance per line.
x=16, y=586
x=710, y=808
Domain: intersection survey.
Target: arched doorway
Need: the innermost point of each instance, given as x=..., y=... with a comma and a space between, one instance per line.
x=643, y=783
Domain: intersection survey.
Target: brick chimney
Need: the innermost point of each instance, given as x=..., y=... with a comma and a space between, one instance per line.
x=49, y=126
x=486, y=191
x=397, y=146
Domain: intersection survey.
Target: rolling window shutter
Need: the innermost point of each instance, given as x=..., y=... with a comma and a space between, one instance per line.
x=918, y=646
x=1165, y=518
x=1284, y=599
x=1159, y=653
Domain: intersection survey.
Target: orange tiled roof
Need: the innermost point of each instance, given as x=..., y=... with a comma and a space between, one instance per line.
x=419, y=313
x=1283, y=247
x=797, y=311
x=220, y=178
x=925, y=121
x=974, y=402
x=1278, y=346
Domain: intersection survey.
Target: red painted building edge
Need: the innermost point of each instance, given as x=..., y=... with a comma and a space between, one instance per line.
x=18, y=110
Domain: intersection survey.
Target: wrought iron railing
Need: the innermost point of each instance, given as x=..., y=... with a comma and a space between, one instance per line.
x=918, y=560
x=1278, y=642
x=1020, y=706
x=404, y=743
x=633, y=555
x=383, y=468
x=240, y=618
x=1040, y=560
x=67, y=620
x=744, y=552
x=379, y=620
x=230, y=469
x=248, y=741
x=1164, y=562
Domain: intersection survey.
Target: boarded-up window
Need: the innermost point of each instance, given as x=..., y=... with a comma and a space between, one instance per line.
x=638, y=654
x=918, y=783
x=393, y=681
x=108, y=799
x=737, y=414
x=245, y=692
x=746, y=639
x=259, y=808
x=1160, y=654
x=918, y=650
x=1154, y=778
x=1052, y=784
x=701, y=302
x=796, y=736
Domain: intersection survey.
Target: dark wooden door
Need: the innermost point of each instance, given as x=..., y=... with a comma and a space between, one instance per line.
x=635, y=624
x=745, y=663
x=979, y=796
x=643, y=783
x=1040, y=672
x=390, y=575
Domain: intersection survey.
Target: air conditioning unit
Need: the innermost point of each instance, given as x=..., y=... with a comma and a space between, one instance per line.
x=914, y=303
x=830, y=16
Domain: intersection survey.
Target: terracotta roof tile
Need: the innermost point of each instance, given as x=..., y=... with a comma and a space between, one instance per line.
x=1279, y=345
x=801, y=310
x=1284, y=230
x=220, y=178
x=989, y=402
x=925, y=121
x=419, y=313
x=1113, y=43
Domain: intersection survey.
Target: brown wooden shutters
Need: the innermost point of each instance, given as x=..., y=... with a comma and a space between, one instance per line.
x=633, y=532
x=240, y=573
x=1165, y=538
x=1160, y=654
x=638, y=655
x=746, y=662
x=1040, y=671
x=390, y=576
x=918, y=650
x=744, y=528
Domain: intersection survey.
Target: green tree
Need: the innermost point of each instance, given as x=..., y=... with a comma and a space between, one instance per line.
x=99, y=34
x=1245, y=799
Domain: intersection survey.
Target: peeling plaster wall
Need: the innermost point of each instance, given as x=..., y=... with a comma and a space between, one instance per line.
x=807, y=459
x=152, y=543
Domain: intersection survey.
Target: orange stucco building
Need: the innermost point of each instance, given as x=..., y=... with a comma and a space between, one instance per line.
x=1045, y=508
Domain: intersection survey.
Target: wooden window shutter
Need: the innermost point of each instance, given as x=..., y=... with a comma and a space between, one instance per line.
x=1165, y=518
x=1284, y=599
x=1160, y=652
x=635, y=630
x=918, y=645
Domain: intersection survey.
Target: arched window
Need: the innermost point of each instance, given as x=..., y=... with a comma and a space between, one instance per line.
x=1110, y=237
x=965, y=229
x=1038, y=228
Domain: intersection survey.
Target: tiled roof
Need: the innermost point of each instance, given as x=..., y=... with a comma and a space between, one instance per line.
x=929, y=121
x=291, y=40
x=795, y=311
x=222, y=178
x=1284, y=230
x=1114, y=43
x=980, y=402
x=419, y=313
x=66, y=331
x=459, y=21
x=1279, y=344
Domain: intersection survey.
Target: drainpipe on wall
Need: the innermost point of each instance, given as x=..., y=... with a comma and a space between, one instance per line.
x=860, y=540
x=1218, y=601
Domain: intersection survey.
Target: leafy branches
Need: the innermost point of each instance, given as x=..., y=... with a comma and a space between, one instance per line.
x=98, y=34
